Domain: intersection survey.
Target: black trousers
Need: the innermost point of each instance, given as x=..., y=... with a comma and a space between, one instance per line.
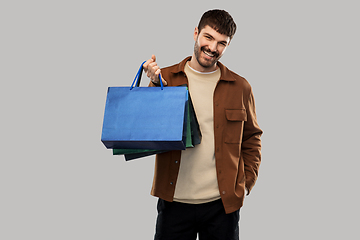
x=181, y=221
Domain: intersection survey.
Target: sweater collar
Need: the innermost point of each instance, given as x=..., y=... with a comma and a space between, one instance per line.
x=225, y=72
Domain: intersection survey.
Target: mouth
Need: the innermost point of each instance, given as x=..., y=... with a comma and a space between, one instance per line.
x=209, y=54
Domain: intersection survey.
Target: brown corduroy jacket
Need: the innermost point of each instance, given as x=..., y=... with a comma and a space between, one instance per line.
x=237, y=139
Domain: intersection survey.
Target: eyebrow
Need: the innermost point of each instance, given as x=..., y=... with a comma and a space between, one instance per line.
x=208, y=35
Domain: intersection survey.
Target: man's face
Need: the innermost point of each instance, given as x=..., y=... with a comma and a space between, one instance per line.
x=209, y=47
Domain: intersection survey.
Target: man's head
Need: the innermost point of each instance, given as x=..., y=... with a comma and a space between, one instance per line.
x=219, y=20
x=212, y=36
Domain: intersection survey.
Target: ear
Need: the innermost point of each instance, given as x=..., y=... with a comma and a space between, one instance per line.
x=196, y=33
x=229, y=41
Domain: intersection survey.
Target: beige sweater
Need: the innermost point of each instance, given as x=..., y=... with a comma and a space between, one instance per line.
x=197, y=180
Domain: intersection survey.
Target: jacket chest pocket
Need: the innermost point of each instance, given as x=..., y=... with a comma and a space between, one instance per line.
x=235, y=119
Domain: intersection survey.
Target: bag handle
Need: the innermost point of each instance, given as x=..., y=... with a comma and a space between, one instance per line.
x=138, y=78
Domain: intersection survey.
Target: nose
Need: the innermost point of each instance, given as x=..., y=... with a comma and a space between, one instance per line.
x=213, y=46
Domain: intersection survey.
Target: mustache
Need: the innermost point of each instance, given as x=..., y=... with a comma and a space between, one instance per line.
x=205, y=49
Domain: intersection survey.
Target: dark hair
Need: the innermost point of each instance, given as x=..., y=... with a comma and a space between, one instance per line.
x=220, y=20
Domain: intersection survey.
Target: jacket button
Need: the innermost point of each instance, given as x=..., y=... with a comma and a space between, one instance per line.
x=223, y=192
x=171, y=183
x=176, y=161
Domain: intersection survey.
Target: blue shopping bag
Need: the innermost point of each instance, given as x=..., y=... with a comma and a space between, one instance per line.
x=193, y=137
x=145, y=117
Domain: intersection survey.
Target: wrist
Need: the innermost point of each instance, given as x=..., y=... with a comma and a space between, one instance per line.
x=155, y=83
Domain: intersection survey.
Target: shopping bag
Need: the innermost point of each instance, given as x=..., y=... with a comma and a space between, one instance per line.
x=194, y=124
x=131, y=154
x=134, y=156
x=145, y=117
x=193, y=137
x=189, y=141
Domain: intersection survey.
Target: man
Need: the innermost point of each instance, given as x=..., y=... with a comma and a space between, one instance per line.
x=201, y=189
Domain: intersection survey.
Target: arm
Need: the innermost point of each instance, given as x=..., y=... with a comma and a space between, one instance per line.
x=251, y=145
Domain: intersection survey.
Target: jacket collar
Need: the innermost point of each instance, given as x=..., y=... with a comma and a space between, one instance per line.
x=225, y=72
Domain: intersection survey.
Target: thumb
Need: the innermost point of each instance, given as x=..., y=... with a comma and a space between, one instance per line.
x=159, y=76
x=163, y=80
x=153, y=57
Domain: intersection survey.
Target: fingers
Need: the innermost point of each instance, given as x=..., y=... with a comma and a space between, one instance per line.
x=151, y=60
x=146, y=64
x=152, y=70
x=164, y=81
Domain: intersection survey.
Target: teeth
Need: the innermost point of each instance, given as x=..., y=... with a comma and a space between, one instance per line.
x=209, y=54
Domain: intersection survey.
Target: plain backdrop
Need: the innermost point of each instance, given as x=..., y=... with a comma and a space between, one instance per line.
x=57, y=59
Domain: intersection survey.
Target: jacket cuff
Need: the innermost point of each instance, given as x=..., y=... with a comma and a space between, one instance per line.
x=151, y=84
x=249, y=185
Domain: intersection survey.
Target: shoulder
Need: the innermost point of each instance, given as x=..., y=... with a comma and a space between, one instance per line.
x=234, y=78
x=176, y=68
x=175, y=74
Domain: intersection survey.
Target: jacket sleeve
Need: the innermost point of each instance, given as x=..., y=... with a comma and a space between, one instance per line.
x=251, y=144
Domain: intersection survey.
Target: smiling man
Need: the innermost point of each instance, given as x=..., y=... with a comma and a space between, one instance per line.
x=209, y=48
x=202, y=189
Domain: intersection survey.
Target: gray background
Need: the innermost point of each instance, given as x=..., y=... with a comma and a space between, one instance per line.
x=57, y=180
